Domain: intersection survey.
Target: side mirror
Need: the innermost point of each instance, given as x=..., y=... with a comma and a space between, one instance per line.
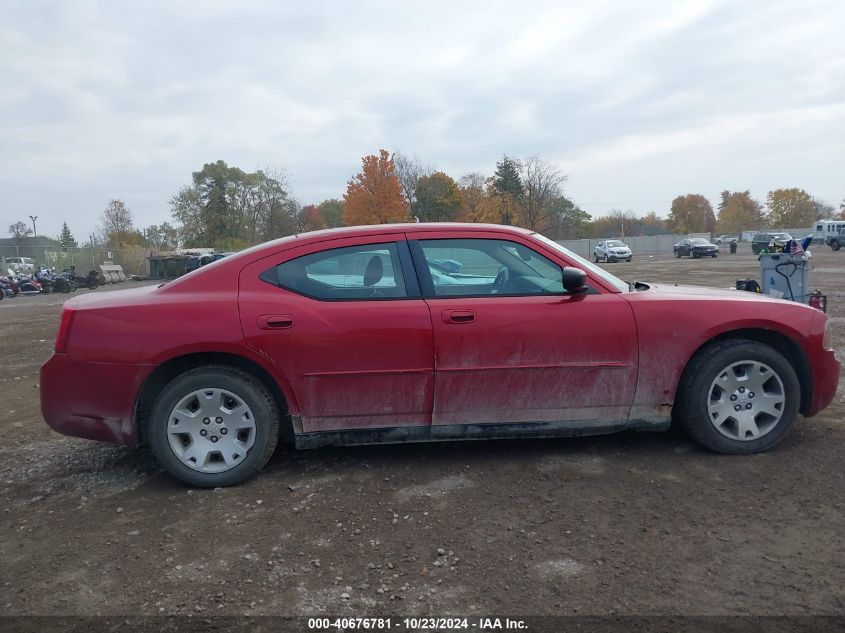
x=574, y=279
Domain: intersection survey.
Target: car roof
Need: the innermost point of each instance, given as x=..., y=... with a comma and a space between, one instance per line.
x=301, y=239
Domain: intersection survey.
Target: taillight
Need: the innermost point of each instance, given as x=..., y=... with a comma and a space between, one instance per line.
x=63, y=335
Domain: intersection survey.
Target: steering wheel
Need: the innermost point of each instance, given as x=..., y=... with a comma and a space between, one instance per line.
x=501, y=280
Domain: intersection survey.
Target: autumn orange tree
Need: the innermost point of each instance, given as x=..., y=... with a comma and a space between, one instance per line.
x=374, y=196
x=738, y=212
x=691, y=213
x=310, y=218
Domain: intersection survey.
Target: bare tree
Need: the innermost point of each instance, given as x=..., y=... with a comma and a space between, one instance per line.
x=19, y=231
x=543, y=184
x=116, y=222
x=409, y=171
x=473, y=192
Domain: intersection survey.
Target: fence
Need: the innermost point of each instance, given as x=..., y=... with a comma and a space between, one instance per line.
x=133, y=260
x=654, y=244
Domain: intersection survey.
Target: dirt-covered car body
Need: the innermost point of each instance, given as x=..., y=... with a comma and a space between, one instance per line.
x=356, y=338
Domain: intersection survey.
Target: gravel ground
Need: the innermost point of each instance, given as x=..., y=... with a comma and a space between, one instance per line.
x=625, y=524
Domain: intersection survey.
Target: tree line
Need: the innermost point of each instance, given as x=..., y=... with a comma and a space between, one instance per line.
x=227, y=208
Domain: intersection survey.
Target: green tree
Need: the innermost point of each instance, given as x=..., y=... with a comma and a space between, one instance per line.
x=66, y=239
x=691, y=213
x=438, y=198
x=164, y=237
x=507, y=185
x=738, y=212
x=790, y=208
x=332, y=212
x=226, y=207
x=568, y=221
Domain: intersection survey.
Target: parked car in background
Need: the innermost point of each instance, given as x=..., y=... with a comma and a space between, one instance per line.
x=724, y=239
x=199, y=261
x=612, y=251
x=21, y=264
x=766, y=240
x=696, y=247
x=363, y=335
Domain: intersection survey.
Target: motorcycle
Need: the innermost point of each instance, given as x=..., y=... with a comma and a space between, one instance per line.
x=31, y=286
x=10, y=285
x=56, y=283
x=91, y=281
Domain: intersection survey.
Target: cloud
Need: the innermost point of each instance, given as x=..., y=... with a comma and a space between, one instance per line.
x=643, y=101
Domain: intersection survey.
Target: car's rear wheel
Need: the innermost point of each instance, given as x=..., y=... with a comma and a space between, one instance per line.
x=738, y=397
x=214, y=426
x=835, y=245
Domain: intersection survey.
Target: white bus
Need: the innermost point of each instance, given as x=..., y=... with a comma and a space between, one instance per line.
x=830, y=232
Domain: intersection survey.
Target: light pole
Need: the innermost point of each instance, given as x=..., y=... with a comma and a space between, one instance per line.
x=34, y=218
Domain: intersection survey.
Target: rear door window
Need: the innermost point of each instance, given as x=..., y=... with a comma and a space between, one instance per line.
x=362, y=273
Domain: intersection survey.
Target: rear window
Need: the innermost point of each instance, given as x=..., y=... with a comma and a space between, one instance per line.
x=366, y=272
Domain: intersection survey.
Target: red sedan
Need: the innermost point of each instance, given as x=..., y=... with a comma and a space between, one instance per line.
x=401, y=333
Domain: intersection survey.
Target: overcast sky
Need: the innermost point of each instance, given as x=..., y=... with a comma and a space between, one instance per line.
x=638, y=102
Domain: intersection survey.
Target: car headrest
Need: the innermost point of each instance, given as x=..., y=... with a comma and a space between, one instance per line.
x=374, y=271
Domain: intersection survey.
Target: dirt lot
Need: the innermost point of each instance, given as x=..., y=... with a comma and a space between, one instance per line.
x=625, y=524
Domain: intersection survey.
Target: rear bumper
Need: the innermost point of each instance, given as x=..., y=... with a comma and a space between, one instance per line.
x=825, y=381
x=95, y=401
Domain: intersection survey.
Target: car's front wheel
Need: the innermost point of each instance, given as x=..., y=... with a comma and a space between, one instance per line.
x=738, y=397
x=213, y=426
x=596, y=257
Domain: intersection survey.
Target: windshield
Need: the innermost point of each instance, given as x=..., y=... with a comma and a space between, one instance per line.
x=621, y=286
x=699, y=242
x=612, y=243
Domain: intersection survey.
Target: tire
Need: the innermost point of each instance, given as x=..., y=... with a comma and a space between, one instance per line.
x=628, y=260
x=249, y=448
x=677, y=253
x=835, y=245
x=93, y=283
x=73, y=286
x=596, y=258
x=715, y=256
x=738, y=362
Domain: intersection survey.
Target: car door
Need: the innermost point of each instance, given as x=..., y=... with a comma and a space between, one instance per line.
x=685, y=247
x=521, y=350
x=344, y=322
x=600, y=250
